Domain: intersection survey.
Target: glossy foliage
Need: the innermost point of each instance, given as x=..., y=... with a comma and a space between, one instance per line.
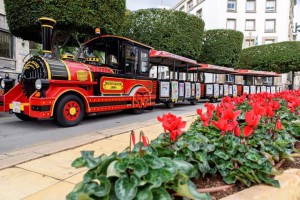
x=280, y=57
x=222, y=47
x=72, y=16
x=166, y=30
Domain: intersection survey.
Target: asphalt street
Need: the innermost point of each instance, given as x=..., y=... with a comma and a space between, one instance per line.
x=16, y=134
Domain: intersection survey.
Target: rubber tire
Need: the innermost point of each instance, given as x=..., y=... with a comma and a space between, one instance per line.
x=58, y=112
x=170, y=104
x=137, y=111
x=24, y=117
x=194, y=102
x=213, y=100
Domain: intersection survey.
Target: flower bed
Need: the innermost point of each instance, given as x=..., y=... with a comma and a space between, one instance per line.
x=241, y=140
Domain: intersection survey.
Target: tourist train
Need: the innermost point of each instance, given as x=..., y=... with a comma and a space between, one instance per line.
x=67, y=89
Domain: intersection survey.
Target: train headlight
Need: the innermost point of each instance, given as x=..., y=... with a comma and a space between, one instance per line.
x=38, y=84
x=41, y=84
x=2, y=84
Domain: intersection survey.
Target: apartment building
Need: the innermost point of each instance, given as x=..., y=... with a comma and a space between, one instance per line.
x=261, y=21
x=12, y=49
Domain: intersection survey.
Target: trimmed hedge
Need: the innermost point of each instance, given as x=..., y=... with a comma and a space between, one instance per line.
x=72, y=16
x=222, y=47
x=167, y=30
x=280, y=57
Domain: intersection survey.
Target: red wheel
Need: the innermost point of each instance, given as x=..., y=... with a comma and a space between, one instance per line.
x=69, y=111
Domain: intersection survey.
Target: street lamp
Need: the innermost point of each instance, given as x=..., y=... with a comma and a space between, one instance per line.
x=297, y=28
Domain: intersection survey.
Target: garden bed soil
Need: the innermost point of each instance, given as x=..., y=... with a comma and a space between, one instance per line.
x=211, y=181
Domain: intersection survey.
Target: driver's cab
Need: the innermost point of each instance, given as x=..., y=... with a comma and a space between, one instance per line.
x=122, y=55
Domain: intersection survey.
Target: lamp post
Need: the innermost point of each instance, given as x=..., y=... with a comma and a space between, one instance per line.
x=297, y=29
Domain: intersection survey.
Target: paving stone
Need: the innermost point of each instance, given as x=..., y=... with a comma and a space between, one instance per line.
x=57, y=165
x=76, y=178
x=57, y=191
x=14, y=160
x=16, y=183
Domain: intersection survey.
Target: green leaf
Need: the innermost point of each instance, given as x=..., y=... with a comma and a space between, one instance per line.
x=265, y=178
x=126, y=188
x=169, y=164
x=78, y=163
x=193, y=146
x=89, y=159
x=139, y=167
x=184, y=167
x=144, y=194
x=204, y=168
x=221, y=154
x=112, y=171
x=104, y=188
x=210, y=148
x=230, y=178
x=122, y=165
x=161, y=194
x=189, y=190
x=153, y=161
x=201, y=156
x=89, y=176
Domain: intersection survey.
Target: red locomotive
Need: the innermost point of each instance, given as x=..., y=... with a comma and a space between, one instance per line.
x=66, y=90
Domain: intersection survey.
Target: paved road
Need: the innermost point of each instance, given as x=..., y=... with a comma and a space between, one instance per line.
x=16, y=134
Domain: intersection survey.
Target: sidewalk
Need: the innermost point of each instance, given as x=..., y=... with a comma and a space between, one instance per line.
x=45, y=173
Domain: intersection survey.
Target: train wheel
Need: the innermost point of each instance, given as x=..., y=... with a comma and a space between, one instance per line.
x=170, y=104
x=213, y=100
x=24, y=117
x=137, y=111
x=69, y=111
x=194, y=102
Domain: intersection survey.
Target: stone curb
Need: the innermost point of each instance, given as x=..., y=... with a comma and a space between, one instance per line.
x=18, y=157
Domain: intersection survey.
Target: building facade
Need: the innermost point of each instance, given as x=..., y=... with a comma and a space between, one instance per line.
x=12, y=49
x=261, y=21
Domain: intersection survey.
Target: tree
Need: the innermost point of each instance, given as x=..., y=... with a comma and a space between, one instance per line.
x=222, y=47
x=74, y=18
x=166, y=30
x=280, y=57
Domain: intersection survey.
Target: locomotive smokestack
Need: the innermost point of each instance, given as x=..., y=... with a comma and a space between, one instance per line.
x=47, y=27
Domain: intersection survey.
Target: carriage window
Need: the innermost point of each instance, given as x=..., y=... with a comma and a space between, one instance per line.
x=144, y=62
x=131, y=59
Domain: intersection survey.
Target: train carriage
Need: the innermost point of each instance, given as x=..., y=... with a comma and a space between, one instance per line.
x=181, y=84
x=211, y=89
x=252, y=86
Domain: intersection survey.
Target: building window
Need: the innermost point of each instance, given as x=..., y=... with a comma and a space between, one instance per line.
x=270, y=26
x=181, y=8
x=269, y=41
x=231, y=5
x=6, y=45
x=271, y=6
x=229, y=78
x=190, y=5
x=231, y=24
x=250, y=6
x=199, y=13
x=268, y=80
x=250, y=25
x=249, y=42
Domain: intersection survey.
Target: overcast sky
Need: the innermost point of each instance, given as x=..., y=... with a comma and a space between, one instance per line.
x=140, y=4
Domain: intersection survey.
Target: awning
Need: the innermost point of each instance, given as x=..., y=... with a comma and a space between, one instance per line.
x=207, y=68
x=164, y=58
x=245, y=72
